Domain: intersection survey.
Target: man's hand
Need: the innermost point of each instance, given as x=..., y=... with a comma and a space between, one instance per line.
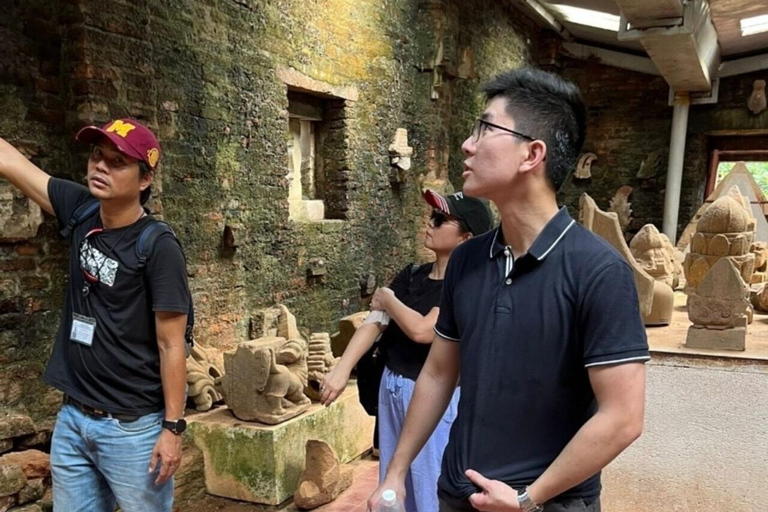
x=390, y=482
x=496, y=496
x=380, y=298
x=167, y=451
x=333, y=385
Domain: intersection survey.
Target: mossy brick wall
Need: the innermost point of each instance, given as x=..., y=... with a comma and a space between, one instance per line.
x=204, y=75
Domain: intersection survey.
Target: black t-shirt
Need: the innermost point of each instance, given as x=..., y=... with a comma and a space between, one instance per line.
x=415, y=289
x=528, y=330
x=120, y=371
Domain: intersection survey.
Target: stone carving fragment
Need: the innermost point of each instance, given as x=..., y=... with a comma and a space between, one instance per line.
x=656, y=254
x=20, y=217
x=400, y=155
x=725, y=230
x=655, y=297
x=756, y=102
x=347, y=327
x=621, y=206
x=651, y=165
x=718, y=309
x=205, y=369
x=264, y=379
x=319, y=362
x=584, y=167
x=759, y=298
x=323, y=479
x=760, y=250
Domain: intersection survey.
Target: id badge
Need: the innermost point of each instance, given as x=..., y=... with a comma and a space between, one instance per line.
x=83, y=328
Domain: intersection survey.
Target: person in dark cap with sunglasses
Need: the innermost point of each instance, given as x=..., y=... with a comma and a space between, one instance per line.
x=539, y=318
x=404, y=314
x=119, y=356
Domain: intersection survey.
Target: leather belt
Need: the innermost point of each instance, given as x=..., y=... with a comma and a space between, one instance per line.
x=98, y=413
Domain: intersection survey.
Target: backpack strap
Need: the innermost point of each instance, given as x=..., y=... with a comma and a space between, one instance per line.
x=144, y=246
x=81, y=213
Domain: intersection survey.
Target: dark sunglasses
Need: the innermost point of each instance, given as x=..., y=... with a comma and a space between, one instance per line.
x=481, y=125
x=438, y=218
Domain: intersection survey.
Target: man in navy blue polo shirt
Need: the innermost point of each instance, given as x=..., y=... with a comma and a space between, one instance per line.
x=539, y=317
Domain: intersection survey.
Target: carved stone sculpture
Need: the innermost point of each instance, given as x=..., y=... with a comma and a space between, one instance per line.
x=264, y=380
x=323, y=479
x=584, y=167
x=400, y=155
x=319, y=362
x=756, y=102
x=656, y=254
x=760, y=250
x=726, y=231
x=347, y=327
x=718, y=309
x=654, y=296
x=621, y=206
x=20, y=217
x=759, y=298
x=205, y=369
x=651, y=165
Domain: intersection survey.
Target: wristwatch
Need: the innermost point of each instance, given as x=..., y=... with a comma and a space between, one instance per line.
x=177, y=427
x=527, y=504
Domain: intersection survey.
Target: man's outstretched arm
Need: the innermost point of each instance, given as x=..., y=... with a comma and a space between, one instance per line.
x=434, y=389
x=24, y=175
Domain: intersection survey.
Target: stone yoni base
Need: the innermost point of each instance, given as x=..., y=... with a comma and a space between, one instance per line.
x=726, y=339
x=263, y=463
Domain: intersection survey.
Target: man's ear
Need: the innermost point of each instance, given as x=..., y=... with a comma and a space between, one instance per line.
x=536, y=156
x=466, y=236
x=145, y=180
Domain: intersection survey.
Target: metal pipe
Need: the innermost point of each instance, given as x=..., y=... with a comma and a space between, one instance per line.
x=675, y=169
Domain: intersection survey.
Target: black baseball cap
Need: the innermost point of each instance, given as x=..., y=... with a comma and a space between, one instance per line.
x=473, y=212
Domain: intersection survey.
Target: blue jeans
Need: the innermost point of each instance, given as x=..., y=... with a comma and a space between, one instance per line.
x=395, y=395
x=97, y=462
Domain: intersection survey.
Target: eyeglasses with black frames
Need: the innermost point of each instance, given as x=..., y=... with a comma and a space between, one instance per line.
x=481, y=126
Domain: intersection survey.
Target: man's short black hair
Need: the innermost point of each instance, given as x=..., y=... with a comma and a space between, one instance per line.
x=548, y=108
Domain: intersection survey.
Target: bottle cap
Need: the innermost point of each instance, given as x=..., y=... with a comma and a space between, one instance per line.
x=389, y=497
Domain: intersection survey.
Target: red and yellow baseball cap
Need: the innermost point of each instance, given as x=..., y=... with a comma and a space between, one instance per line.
x=129, y=136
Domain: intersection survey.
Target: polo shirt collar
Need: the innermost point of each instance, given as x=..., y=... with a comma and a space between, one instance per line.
x=549, y=237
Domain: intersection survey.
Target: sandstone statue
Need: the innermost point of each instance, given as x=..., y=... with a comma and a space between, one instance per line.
x=319, y=362
x=584, y=167
x=656, y=298
x=264, y=379
x=718, y=308
x=725, y=230
x=656, y=254
x=205, y=369
x=760, y=274
x=620, y=205
x=323, y=479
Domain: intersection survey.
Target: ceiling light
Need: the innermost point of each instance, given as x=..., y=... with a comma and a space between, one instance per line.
x=588, y=17
x=754, y=25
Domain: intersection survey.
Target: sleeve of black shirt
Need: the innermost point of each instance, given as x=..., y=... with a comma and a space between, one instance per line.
x=610, y=320
x=399, y=284
x=167, y=275
x=446, y=326
x=65, y=197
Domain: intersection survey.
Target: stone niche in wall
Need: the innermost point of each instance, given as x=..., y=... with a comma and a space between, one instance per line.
x=20, y=217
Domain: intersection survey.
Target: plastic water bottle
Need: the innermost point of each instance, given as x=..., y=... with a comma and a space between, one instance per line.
x=389, y=502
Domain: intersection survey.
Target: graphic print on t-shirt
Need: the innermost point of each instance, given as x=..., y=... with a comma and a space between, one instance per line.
x=94, y=261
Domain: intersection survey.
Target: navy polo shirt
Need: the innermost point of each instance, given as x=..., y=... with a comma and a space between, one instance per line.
x=528, y=329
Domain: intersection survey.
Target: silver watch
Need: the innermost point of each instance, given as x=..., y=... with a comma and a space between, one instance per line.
x=527, y=504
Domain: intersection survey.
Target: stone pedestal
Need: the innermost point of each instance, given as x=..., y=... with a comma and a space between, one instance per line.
x=724, y=339
x=263, y=463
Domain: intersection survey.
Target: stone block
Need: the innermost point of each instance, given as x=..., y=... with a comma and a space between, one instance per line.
x=33, y=491
x=33, y=507
x=723, y=339
x=6, y=502
x=323, y=479
x=34, y=463
x=263, y=464
x=15, y=425
x=12, y=479
x=19, y=216
x=347, y=327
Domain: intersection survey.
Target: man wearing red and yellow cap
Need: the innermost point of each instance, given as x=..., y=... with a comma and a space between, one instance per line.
x=119, y=355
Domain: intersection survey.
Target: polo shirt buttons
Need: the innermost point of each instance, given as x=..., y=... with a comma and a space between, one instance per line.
x=508, y=281
x=506, y=253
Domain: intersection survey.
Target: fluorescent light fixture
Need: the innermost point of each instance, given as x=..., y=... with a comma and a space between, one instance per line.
x=754, y=25
x=588, y=17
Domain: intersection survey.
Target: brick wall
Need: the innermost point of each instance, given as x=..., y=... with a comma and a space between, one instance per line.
x=205, y=75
